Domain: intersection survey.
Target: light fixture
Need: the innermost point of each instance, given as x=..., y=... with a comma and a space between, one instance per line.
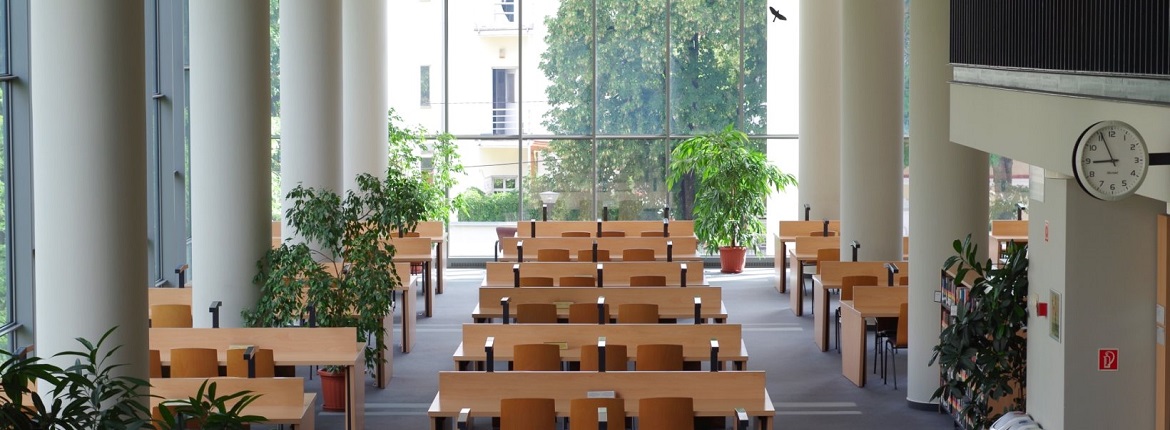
x=549, y=197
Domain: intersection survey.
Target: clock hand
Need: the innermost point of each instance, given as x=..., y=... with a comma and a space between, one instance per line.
x=1107, y=151
x=1112, y=160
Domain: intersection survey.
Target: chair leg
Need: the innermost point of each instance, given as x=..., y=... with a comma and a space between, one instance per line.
x=894, y=365
x=877, y=347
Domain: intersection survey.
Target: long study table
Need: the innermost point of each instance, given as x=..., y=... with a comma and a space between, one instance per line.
x=868, y=302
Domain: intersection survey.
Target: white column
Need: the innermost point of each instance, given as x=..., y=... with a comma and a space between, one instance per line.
x=947, y=182
x=820, y=108
x=89, y=180
x=230, y=154
x=310, y=96
x=871, y=145
x=365, y=83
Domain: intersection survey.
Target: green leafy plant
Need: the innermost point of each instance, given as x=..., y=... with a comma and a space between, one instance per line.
x=480, y=206
x=350, y=234
x=982, y=352
x=209, y=410
x=734, y=181
x=407, y=147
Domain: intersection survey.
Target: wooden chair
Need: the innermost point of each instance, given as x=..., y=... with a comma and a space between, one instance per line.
x=170, y=316
x=237, y=365
x=194, y=363
x=537, y=357
x=536, y=281
x=823, y=254
x=904, y=280
x=847, y=284
x=528, y=414
x=652, y=234
x=616, y=358
x=536, y=313
x=155, y=364
x=648, y=281
x=638, y=254
x=821, y=233
x=637, y=313
x=576, y=234
x=613, y=234
x=658, y=357
x=585, y=313
x=583, y=412
x=577, y=281
x=587, y=255
x=552, y=255
x=666, y=413
x=895, y=341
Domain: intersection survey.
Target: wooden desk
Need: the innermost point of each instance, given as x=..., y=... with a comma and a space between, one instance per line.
x=433, y=230
x=500, y=274
x=805, y=251
x=672, y=302
x=868, y=302
x=694, y=338
x=830, y=279
x=684, y=248
x=168, y=296
x=290, y=347
x=631, y=228
x=789, y=230
x=1005, y=231
x=715, y=394
x=417, y=250
x=409, y=306
x=280, y=401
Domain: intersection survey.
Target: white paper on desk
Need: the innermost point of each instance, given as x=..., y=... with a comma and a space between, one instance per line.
x=1161, y=335
x=1160, y=314
x=601, y=394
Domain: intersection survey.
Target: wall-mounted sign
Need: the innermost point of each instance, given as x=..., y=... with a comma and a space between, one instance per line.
x=1107, y=359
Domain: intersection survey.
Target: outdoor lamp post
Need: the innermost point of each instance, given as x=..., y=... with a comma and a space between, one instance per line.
x=549, y=198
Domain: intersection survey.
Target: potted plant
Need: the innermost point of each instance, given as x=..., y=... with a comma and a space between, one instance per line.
x=344, y=269
x=734, y=181
x=208, y=411
x=407, y=148
x=982, y=348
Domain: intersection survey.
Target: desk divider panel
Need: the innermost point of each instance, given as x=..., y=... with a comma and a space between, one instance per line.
x=670, y=301
x=616, y=273
x=695, y=339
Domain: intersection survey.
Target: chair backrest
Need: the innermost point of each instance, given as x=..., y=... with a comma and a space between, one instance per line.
x=576, y=234
x=848, y=282
x=616, y=358
x=411, y=234
x=155, y=364
x=170, y=316
x=638, y=254
x=828, y=254
x=536, y=313
x=585, y=313
x=648, y=281
x=585, y=255
x=237, y=365
x=536, y=281
x=552, y=254
x=194, y=363
x=613, y=234
x=652, y=234
x=536, y=356
x=903, y=326
x=658, y=357
x=821, y=233
x=637, y=313
x=528, y=414
x=583, y=413
x=904, y=280
x=666, y=413
x=502, y=232
x=577, y=281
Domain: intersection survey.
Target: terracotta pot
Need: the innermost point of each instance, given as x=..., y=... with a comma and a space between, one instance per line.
x=332, y=390
x=732, y=259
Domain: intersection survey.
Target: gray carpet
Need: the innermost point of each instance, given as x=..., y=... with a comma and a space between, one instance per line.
x=805, y=384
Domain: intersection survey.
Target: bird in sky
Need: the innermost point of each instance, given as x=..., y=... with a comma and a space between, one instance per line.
x=776, y=14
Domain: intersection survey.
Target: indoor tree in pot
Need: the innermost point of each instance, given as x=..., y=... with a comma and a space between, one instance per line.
x=734, y=182
x=344, y=269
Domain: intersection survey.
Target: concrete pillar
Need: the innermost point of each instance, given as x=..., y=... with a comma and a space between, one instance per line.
x=365, y=83
x=871, y=145
x=947, y=185
x=89, y=180
x=230, y=154
x=310, y=96
x=820, y=108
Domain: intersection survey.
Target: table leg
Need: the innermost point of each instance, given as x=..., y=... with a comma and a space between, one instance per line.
x=853, y=345
x=796, y=294
x=355, y=411
x=781, y=256
x=439, y=267
x=428, y=289
x=821, y=316
x=409, y=319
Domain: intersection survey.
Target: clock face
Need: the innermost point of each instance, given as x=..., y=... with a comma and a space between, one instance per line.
x=1110, y=160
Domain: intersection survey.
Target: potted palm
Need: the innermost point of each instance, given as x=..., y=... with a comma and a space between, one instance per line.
x=344, y=270
x=734, y=181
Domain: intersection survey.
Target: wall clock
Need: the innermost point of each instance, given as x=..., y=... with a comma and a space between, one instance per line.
x=1110, y=160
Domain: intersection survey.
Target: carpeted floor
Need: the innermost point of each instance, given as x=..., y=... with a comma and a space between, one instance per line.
x=806, y=385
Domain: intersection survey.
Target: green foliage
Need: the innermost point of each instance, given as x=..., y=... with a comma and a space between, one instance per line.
x=479, y=206
x=981, y=352
x=734, y=181
x=350, y=233
x=406, y=147
x=211, y=411
x=86, y=395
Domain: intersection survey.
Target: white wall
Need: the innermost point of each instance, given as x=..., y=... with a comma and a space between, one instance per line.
x=1099, y=255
